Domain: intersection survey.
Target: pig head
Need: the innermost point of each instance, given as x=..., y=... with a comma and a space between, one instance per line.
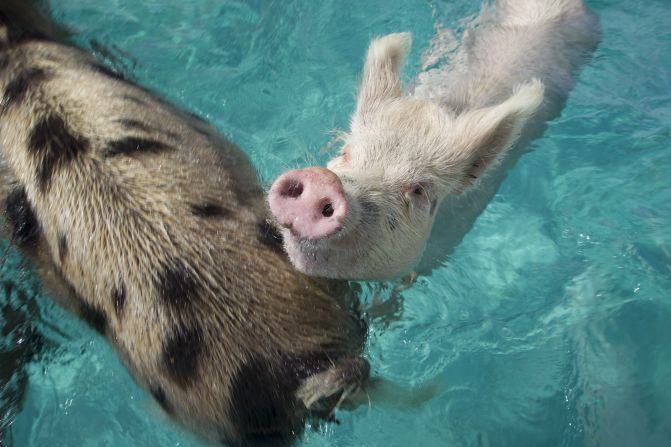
x=369, y=214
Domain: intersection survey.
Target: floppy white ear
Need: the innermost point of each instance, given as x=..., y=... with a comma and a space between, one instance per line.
x=481, y=137
x=386, y=56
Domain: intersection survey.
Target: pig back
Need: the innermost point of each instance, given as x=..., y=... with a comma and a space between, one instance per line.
x=510, y=43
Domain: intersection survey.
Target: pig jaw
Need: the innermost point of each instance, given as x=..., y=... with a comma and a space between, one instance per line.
x=321, y=260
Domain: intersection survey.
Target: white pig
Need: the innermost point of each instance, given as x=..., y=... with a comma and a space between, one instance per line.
x=449, y=142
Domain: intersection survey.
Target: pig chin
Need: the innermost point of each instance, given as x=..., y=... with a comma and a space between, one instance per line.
x=322, y=257
x=309, y=260
x=346, y=257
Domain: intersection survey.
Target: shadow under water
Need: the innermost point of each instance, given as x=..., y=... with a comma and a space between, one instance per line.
x=21, y=335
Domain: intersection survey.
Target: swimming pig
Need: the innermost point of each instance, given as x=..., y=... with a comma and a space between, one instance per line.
x=368, y=216
x=152, y=228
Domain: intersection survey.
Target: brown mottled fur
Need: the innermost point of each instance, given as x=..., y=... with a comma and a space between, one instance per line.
x=206, y=315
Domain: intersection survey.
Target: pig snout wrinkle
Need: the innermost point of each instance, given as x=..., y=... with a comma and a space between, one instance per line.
x=311, y=202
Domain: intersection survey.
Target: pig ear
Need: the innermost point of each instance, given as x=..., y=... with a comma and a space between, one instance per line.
x=483, y=136
x=386, y=56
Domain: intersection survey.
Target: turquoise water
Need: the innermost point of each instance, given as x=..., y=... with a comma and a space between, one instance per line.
x=549, y=325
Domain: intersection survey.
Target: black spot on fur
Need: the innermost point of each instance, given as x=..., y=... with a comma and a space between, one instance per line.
x=95, y=317
x=18, y=87
x=210, y=210
x=137, y=125
x=263, y=403
x=24, y=27
x=4, y=59
x=181, y=354
x=114, y=56
x=21, y=216
x=201, y=131
x=263, y=398
x=269, y=236
x=107, y=71
x=197, y=117
x=177, y=285
x=134, y=145
x=119, y=298
x=161, y=398
x=135, y=100
x=54, y=146
x=133, y=124
x=392, y=223
x=62, y=247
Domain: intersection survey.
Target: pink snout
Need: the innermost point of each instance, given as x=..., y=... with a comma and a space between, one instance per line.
x=311, y=202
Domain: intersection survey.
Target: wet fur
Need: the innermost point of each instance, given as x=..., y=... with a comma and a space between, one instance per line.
x=147, y=224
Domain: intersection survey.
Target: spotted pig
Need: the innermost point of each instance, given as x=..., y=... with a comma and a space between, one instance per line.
x=151, y=227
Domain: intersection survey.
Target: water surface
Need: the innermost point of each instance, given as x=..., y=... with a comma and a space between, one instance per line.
x=549, y=325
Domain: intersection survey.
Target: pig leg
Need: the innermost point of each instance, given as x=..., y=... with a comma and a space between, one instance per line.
x=406, y=282
x=324, y=392
x=341, y=387
x=391, y=309
x=385, y=393
x=386, y=311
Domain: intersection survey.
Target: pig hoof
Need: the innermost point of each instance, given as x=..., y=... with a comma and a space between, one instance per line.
x=406, y=282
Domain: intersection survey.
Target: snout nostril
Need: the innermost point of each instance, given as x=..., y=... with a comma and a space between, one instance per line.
x=327, y=211
x=292, y=188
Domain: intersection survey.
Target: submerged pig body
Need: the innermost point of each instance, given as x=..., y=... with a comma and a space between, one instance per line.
x=150, y=226
x=435, y=156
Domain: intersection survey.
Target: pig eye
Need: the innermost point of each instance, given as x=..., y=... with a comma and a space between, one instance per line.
x=416, y=196
x=416, y=190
